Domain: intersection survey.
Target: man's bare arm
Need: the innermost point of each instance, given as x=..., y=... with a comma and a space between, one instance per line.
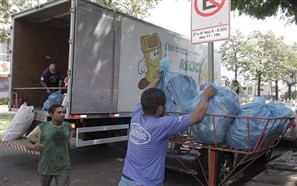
x=199, y=112
x=45, y=86
x=34, y=146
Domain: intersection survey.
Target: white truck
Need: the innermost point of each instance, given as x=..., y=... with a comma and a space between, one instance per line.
x=108, y=56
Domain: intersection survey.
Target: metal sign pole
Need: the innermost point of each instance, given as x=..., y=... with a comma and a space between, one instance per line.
x=210, y=63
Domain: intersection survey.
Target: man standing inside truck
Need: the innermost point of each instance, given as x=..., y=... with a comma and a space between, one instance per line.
x=52, y=140
x=149, y=135
x=51, y=77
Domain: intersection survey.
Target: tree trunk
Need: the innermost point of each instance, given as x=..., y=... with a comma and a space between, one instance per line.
x=236, y=73
x=276, y=89
x=259, y=84
x=289, y=91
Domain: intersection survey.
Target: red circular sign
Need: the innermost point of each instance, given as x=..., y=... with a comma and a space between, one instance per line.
x=216, y=7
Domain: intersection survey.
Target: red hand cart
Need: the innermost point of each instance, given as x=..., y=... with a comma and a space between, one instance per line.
x=265, y=141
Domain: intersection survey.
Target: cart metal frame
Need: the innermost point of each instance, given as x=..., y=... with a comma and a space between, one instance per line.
x=264, y=143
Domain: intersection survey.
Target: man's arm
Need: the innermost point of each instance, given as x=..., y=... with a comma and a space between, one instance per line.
x=60, y=76
x=157, y=77
x=45, y=86
x=34, y=140
x=199, y=112
x=34, y=146
x=60, y=85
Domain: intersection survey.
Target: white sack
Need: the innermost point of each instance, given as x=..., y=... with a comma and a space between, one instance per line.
x=64, y=103
x=20, y=123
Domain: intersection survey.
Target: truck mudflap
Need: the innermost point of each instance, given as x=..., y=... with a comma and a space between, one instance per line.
x=19, y=144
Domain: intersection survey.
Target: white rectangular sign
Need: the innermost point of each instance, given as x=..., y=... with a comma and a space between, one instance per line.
x=4, y=68
x=210, y=20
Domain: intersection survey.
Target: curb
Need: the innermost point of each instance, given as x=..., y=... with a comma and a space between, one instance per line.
x=4, y=110
x=286, y=162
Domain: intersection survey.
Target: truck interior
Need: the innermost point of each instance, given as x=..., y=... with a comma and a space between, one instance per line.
x=42, y=38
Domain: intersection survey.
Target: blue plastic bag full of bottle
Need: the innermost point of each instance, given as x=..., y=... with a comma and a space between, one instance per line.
x=179, y=88
x=213, y=128
x=258, y=124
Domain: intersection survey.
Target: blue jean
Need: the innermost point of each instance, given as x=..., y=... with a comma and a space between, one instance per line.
x=126, y=182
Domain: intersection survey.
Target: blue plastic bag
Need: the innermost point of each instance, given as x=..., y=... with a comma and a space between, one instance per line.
x=179, y=88
x=54, y=98
x=213, y=129
x=244, y=133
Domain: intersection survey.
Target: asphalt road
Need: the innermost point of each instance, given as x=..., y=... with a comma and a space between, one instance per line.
x=93, y=166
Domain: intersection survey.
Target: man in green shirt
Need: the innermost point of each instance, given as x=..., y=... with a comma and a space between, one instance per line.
x=52, y=140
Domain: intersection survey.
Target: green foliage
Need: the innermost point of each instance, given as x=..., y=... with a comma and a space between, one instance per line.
x=8, y=8
x=233, y=53
x=3, y=101
x=261, y=9
x=290, y=67
x=261, y=57
x=5, y=121
x=136, y=8
x=293, y=95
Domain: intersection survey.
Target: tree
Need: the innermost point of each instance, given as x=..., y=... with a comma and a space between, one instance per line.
x=261, y=57
x=266, y=55
x=261, y=9
x=136, y=8
x=277, y=55
x=232, y=52
x=8, y=8
x=290, y=67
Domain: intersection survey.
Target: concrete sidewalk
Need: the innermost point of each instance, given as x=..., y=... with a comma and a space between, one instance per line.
x=280, y=172
x=4, y=110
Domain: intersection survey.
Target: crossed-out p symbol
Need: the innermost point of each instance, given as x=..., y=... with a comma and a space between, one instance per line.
x=208, y=8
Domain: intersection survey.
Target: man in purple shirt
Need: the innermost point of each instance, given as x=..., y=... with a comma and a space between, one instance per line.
x=51, y=77
x=149, y=134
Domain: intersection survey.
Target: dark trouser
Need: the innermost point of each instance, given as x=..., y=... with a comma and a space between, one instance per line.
x=61, y=180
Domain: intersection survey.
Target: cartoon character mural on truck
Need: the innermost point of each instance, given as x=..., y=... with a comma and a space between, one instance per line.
x=189, y=61
x=151, y=48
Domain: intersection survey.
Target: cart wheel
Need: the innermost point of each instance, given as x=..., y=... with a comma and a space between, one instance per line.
x=224, y=167
x=267, y=155
x=295, y=143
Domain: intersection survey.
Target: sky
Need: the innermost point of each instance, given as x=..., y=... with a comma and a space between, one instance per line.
x=175, y=15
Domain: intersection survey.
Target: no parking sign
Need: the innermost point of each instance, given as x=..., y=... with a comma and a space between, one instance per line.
x=210, y=20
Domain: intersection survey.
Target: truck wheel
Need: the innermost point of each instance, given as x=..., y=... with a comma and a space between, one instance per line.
x=224, y=167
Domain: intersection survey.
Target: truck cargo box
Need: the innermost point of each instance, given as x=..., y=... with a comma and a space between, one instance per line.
x=109, y=58
x=103, y=53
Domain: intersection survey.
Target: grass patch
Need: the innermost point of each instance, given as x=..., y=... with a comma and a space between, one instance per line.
x=5, y=121
x=3, y=101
